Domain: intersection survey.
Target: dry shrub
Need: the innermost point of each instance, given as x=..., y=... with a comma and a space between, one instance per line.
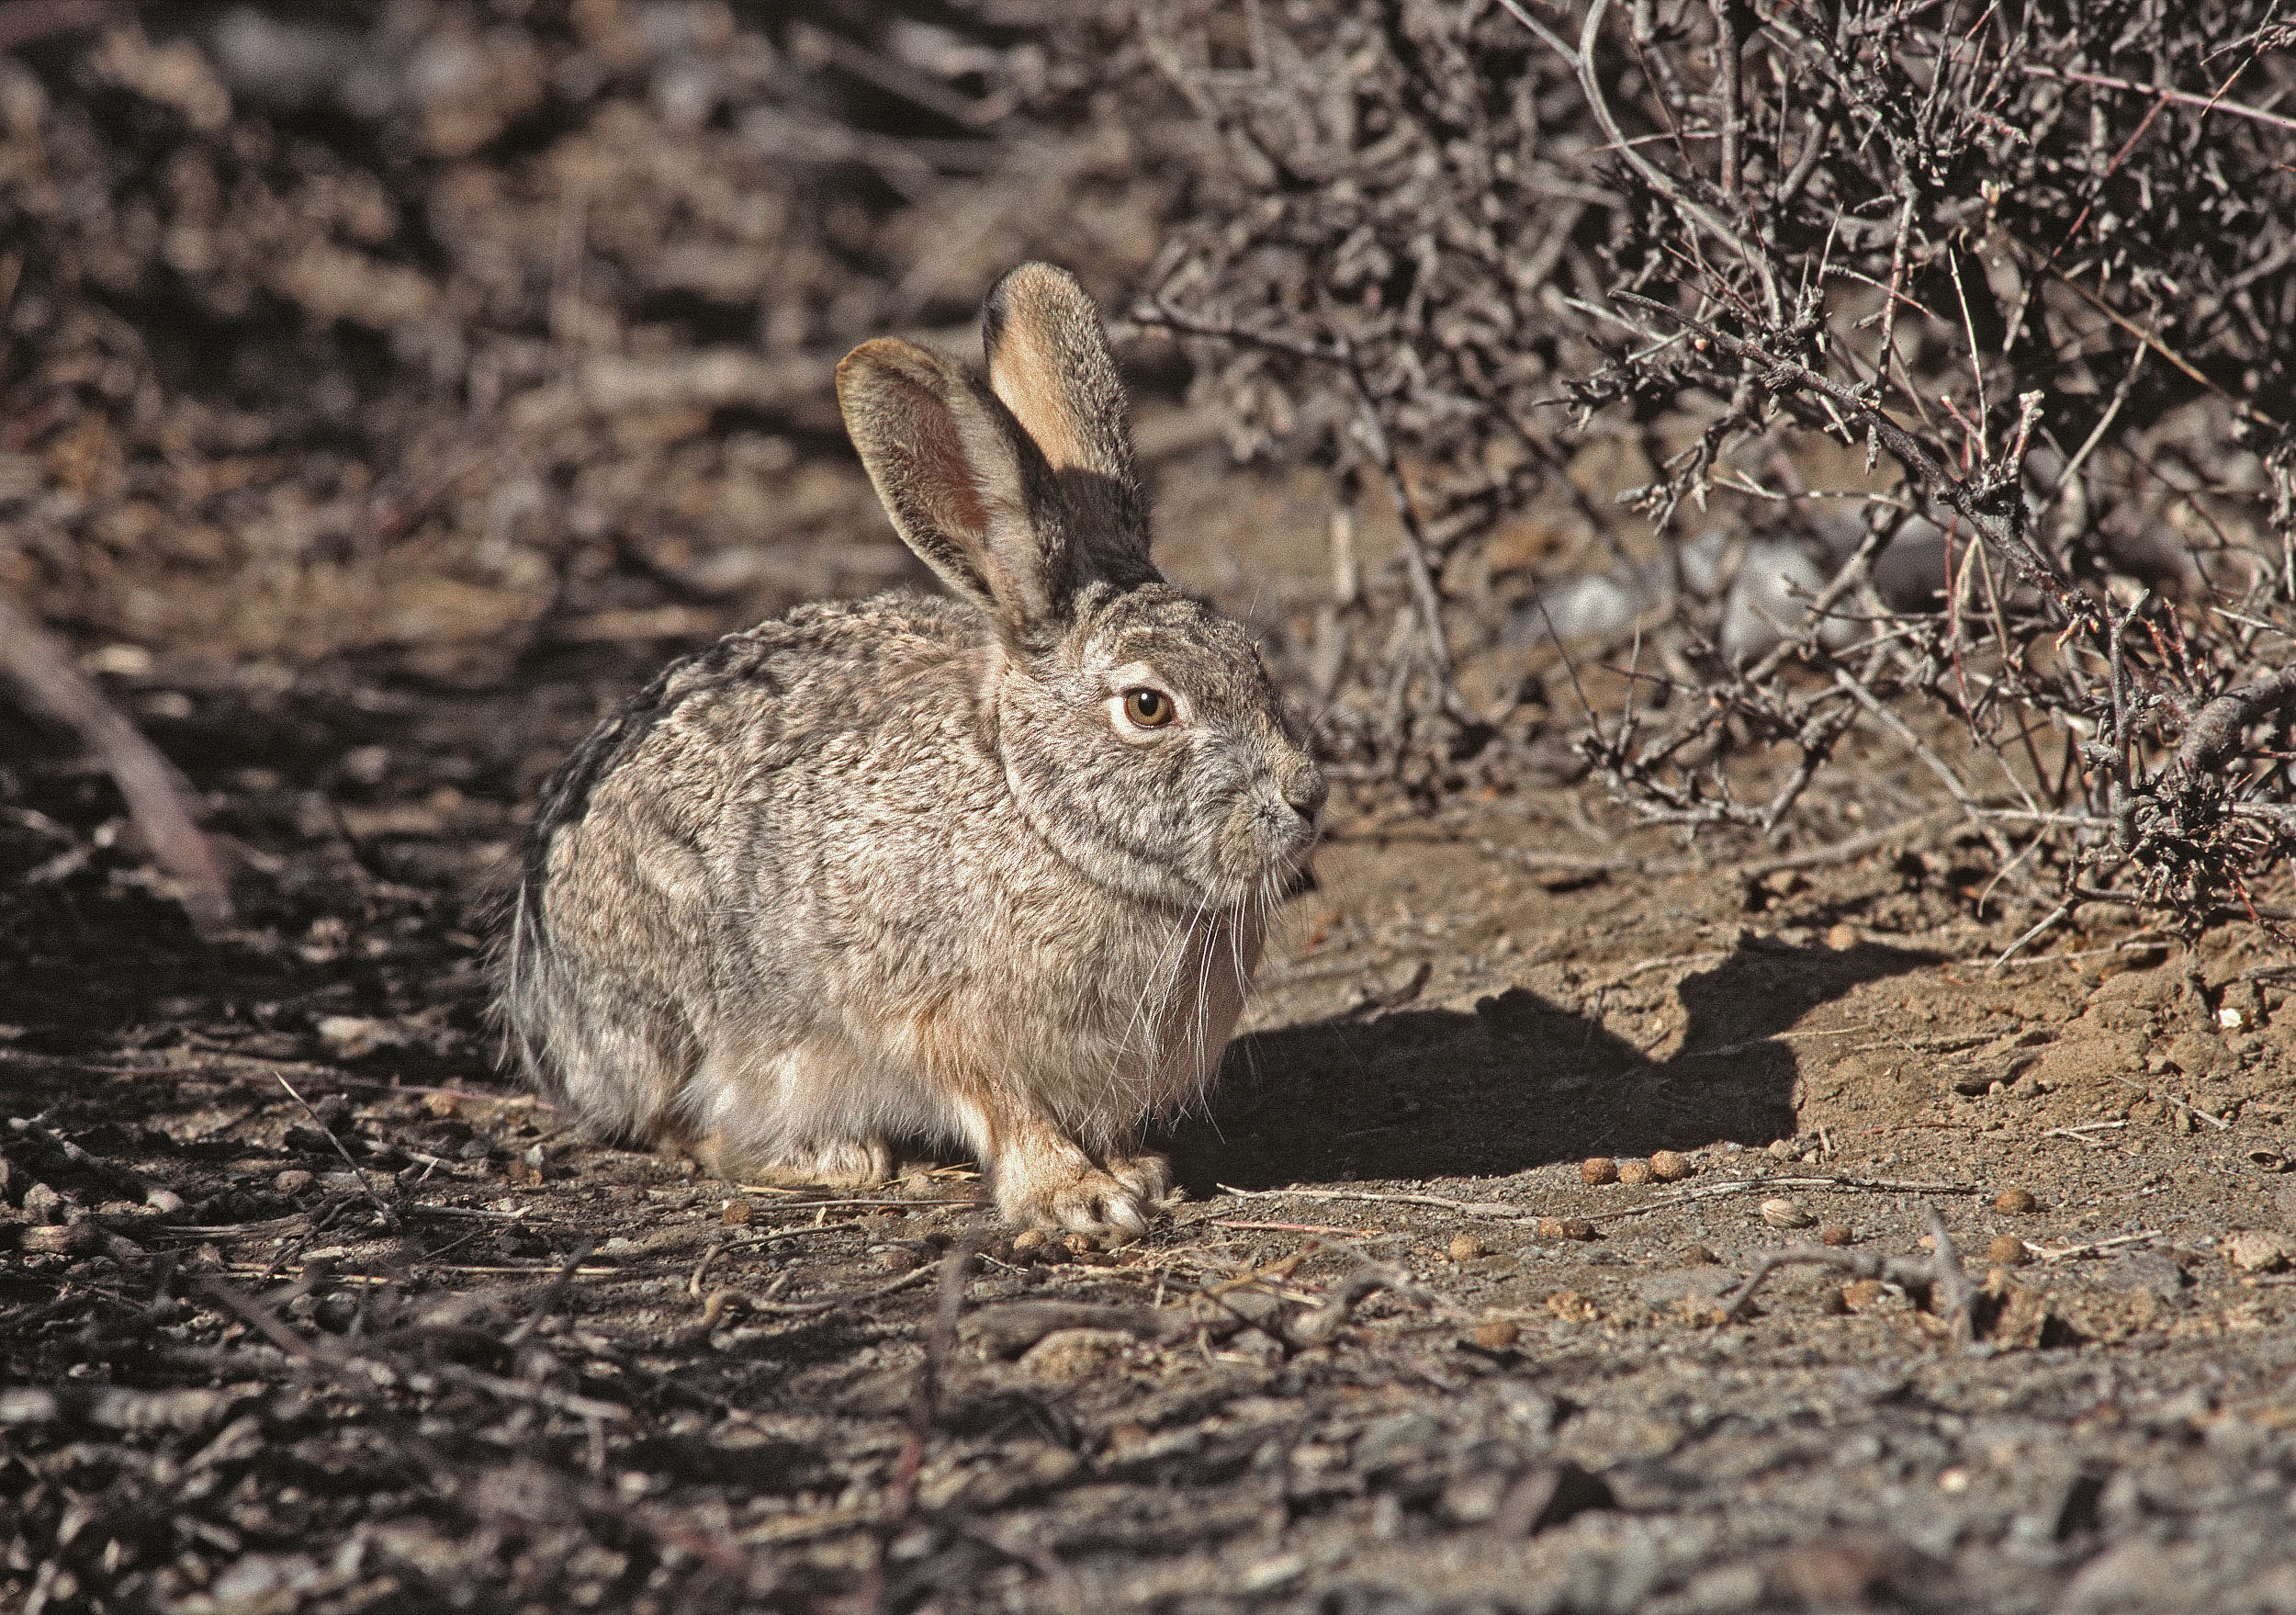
x=2034, y=263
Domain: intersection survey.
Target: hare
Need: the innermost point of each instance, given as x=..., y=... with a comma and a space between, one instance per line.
x=993, y=869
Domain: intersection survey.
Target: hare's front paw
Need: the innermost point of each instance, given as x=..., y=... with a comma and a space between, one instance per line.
x=1149, y=1177
x=1069, y=1192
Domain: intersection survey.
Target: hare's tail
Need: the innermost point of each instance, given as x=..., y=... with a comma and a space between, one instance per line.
x=519, y=1007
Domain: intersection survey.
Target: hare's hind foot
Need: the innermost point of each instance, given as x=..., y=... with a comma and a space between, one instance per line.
x=1064, y=1189
x=839, y=1163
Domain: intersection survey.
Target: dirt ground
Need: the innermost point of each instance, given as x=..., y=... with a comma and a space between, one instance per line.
x=302, y=1307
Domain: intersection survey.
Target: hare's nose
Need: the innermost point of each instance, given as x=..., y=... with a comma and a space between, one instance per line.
x=1304, y=789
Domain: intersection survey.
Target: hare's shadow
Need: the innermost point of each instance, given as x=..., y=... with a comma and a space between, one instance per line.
x=1519, y=1083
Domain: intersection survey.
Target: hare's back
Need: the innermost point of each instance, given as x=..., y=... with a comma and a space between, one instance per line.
x=760, y=700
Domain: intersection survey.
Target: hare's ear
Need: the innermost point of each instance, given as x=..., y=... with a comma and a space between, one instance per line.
x=962, y=484
x=1048, y=361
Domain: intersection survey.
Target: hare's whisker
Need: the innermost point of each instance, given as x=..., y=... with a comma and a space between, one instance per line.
x=1165, y=975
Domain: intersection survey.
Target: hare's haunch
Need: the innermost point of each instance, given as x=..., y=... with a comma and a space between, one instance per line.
x=993, y=869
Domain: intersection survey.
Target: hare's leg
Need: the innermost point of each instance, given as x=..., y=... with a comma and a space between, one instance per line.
x=841, y=1163
x=794, y=1118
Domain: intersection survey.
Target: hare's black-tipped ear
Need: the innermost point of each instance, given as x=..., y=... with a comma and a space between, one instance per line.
x=1048, y=361
x=958, y=480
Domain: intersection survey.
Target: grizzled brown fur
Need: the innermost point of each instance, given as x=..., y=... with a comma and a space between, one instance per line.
x=994, y=870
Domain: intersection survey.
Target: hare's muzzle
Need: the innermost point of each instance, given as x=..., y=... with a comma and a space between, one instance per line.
x=1305, y=790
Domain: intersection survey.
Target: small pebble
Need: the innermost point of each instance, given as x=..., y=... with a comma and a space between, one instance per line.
x=1031, y=1245
x=739, y=1213
x=2007, y=1252
x=1860, y=1294
x=1786, y=1211
x=900, y=1259
x=1670, y=1166
x=1565, y=1228
x=1782, y=1149
x=83, y=1238
x=1070, y=1356
x=1466, y=1248
x=1571, y=1305
x=294, y=1180
x=2259, y=1250
x=1598, y=1169
x=441, y=1104
x=1842, y=938
x=1698, y=1256
x=1497, y=1335
x=1632, y=1172
x=1836, y=1234
x=2017, y=1202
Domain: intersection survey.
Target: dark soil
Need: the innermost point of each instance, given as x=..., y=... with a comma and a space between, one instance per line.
x=306, y=1308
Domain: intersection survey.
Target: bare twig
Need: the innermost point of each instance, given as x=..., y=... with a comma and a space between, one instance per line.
x=2159, y=93
x=1940, y=1274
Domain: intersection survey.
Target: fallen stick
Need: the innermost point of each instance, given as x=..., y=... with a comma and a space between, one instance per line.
x=2065, y=1252
x=719, y=1299
x=2080, y=1134
x=1472, y=1208
x=39, y=667
x=1750, y=1185
x=1296, y=1228
x=1489, y=1208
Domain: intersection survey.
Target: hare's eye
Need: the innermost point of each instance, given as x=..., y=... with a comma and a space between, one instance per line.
x=1150, y=709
